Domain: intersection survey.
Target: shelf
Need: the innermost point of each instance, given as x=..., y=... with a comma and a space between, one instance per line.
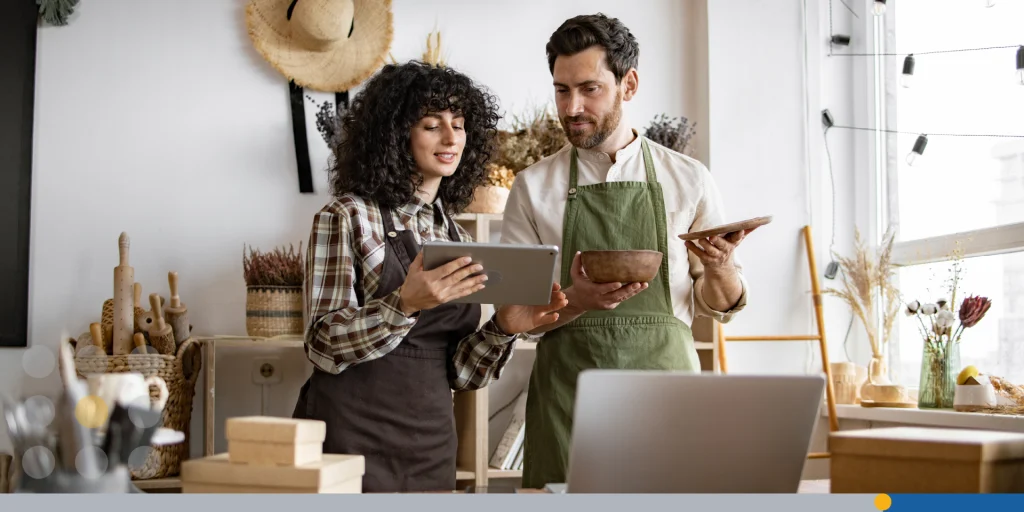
x=159, y=484
x=252, y=342
x=461, y=474
x=473, y=217
x=704, y=345
x=947, y=418
x=504, y=473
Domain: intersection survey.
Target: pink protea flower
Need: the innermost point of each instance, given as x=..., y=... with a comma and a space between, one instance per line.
x=972, y=309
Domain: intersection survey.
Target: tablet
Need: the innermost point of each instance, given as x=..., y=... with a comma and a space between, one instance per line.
x=727, y=228
x=516, y=274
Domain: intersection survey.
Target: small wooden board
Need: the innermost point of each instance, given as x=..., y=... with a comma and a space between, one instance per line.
x=727, y=228
x=899, y=405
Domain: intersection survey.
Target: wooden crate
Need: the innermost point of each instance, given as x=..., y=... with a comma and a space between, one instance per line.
x=926, y=460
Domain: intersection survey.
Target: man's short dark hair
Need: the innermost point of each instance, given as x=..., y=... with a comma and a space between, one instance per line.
x=582, y=32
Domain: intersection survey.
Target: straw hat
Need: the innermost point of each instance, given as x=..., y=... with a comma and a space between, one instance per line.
x=313, y=47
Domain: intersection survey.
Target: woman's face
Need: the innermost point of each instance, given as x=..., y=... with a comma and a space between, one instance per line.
x=437, y=142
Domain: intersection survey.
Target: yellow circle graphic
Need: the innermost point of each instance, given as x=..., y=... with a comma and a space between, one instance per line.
x=91, y=411
x=883, y=502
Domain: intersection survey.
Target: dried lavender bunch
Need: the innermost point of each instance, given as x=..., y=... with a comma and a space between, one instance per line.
x=673, y=133
x=279, y=267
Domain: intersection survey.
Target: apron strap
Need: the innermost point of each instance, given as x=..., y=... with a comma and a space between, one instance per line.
x=573, y=174
x=652, y=177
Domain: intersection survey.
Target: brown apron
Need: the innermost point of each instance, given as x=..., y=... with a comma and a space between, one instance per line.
x=397, y=410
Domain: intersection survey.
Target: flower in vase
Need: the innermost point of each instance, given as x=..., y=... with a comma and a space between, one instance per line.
x=929, y=309
x=944, y=320
x=913, y=308
x=973, y=309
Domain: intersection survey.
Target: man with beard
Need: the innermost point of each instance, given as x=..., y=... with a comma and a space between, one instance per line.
x=612, y=189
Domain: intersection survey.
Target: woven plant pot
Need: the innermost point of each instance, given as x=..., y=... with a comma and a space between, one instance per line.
x=489, y=199
x=273, y=310
x=180, y=371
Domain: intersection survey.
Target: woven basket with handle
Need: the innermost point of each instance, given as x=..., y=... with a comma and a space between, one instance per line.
x=273, y=311
x=180, y=371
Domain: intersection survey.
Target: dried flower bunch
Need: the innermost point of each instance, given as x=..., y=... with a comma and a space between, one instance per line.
x=938, y=319
x=499, y=176
x=673, y=133
x=864, y=277
x=532, y=137
x=279, y=267
x=432, y=55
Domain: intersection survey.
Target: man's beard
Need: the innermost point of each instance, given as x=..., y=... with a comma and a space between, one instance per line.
x=603, y=128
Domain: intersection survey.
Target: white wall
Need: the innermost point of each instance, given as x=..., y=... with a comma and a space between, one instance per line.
x=159, y=119
x=767, y=164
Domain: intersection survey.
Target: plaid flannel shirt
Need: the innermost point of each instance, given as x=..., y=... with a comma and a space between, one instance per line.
x=349, y=232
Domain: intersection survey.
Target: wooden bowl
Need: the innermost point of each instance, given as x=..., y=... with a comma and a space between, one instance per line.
x=621, y=266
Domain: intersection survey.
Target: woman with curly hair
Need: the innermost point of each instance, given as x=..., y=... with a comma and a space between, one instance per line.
x=387, y=345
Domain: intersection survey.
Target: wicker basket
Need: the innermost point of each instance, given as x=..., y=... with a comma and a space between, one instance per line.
x=273, y=311
x=180, y=372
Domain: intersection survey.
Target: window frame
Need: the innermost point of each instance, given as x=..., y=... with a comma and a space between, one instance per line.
x=881, y=210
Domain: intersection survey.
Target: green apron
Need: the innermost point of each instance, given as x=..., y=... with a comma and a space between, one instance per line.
x=641, y=333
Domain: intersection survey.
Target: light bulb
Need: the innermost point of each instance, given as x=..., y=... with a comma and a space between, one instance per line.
x=918, y=150
x=906, y=79
x=879, y=7
x=1020, y=65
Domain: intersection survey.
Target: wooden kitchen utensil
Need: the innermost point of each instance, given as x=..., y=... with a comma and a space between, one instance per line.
x=727, y=228
x=161, y=336
x=107, y=325
x=90, y=343
x=140, y=312
x=141, y=347
x=124, y=311
x=177, y=312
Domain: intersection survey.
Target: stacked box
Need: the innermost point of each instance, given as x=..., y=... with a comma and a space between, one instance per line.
x=274, y=455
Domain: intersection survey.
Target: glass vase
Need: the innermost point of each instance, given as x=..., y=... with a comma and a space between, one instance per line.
x=940, y=365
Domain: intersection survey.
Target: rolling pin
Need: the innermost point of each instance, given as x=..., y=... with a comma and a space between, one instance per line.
x=107, y=324
x=140, y=345
x=176, y=312
x=161, y=335
x=124, y=311
x=140, y=312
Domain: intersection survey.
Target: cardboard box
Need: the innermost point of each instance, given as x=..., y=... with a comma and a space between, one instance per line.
x=333, y=474
x=926, y=460
x=270, y=440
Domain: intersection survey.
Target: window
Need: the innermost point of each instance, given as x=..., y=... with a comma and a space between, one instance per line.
x=963, y=191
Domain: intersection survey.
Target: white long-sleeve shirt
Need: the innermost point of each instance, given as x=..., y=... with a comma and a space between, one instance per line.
x=536, y=206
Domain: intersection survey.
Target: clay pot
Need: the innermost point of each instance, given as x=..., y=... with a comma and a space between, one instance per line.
x=488, y=199
x=621, y=266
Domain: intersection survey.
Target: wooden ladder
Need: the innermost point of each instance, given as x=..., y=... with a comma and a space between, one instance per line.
x=833, y=421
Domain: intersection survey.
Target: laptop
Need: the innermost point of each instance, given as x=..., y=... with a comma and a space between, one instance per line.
x=654, y=431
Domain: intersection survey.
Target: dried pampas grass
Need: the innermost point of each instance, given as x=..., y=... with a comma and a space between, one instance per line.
x=866, y=277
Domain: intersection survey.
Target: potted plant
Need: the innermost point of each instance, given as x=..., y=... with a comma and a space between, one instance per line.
x=491, y=198
x=273, y=303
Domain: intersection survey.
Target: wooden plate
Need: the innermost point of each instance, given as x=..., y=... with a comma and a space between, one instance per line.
x=727, y=228
x=900, y=405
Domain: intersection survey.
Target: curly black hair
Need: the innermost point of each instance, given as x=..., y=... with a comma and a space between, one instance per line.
x=372, y=157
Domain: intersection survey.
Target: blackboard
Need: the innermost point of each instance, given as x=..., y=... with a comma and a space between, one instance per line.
x=18, y=22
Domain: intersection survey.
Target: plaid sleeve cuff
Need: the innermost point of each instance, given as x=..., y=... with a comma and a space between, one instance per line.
x=391, y=311
x=493, y=335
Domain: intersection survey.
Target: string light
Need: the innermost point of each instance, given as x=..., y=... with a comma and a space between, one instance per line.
x=918, y=150
x=908, y=71
x=879, y=7
x=1020, y=65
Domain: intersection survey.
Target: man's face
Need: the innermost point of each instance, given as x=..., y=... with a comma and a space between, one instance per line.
x=588, y=99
